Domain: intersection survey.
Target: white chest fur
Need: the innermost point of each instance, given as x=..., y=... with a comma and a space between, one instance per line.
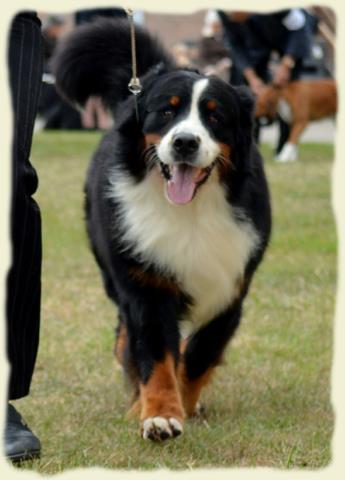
x=200, y=243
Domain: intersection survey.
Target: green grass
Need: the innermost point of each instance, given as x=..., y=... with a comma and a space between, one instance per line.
x=270, y=402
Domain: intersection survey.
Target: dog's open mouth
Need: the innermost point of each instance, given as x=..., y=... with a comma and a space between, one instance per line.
x=183, y=180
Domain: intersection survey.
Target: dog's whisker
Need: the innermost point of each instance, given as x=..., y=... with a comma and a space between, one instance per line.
x=151, y=159
x=225, y=161
x=149, y=156
x=148, y=150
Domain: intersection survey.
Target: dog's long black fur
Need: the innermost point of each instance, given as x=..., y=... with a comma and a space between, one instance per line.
x=95, y=60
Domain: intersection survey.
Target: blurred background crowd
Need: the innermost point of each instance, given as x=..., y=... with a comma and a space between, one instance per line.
x=240, y=47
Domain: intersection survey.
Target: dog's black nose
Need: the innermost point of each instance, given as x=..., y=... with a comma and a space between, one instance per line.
x=185, y=144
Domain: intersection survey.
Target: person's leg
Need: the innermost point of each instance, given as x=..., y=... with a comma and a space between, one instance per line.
x=262, y=71
x=24, y=278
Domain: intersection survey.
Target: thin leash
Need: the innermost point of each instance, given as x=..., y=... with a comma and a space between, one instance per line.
x=134, y=85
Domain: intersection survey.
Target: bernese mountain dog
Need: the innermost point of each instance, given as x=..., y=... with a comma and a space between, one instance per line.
x=177, y=211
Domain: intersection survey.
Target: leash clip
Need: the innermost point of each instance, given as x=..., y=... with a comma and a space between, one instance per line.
x=134, y=85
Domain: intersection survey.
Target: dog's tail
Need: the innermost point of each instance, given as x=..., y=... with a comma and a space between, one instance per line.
x=96, y=60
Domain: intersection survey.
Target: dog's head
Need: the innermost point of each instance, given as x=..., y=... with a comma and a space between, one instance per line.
x=194, y=127
x=188, y=126
x=266, y=103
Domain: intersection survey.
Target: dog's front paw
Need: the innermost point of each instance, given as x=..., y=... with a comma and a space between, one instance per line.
x=160, y=428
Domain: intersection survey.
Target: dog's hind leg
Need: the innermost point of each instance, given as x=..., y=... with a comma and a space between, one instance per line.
x=123, y=356
x=203, y=352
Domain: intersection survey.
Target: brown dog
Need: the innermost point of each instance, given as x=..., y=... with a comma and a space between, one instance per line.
x=299, y=103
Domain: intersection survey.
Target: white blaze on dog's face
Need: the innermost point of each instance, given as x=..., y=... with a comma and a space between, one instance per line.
x=189, y=136
x=189, y=151
x=207, y=149
x=188, y=124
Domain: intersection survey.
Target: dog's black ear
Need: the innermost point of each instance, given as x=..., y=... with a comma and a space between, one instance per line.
x=129, y=118
x=152, y=75
x=246, y=99
x=244, y=137
x=131, y=114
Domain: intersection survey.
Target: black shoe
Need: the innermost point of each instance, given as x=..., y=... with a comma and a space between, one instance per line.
x=20, y=443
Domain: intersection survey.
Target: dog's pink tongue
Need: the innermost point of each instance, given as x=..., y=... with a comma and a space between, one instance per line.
x=182, y=185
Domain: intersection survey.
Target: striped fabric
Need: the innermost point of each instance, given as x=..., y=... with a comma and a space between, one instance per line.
x=24, y=278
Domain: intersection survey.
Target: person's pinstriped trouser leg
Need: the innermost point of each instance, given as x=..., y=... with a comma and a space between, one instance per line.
x=24, y=277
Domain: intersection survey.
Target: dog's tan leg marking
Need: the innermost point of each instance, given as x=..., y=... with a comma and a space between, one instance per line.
x=152, y=139
x=161, y=405
x=191, y=389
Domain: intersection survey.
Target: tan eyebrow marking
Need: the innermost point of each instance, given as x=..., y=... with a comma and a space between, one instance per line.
x=174, y=100
x=152, y=138
x=211, y=105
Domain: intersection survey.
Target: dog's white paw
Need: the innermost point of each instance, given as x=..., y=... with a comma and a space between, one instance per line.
x=289, y=153
x=160, y=428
